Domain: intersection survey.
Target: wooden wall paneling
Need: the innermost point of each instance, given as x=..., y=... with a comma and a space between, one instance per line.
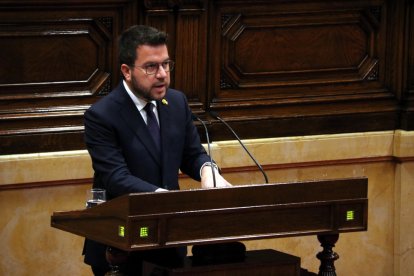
x=57, y=59
x=161, y=15
x=407, y=116
x=320, y=63
x=186, y=24
x=397, y=68
x=269, y=67
x=191, y=55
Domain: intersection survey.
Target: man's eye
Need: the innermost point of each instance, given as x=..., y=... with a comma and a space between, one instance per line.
x=151, y=66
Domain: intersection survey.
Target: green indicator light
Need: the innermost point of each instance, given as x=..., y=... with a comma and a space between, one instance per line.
x=143, y=232
x=121, y=231
x=350, y=215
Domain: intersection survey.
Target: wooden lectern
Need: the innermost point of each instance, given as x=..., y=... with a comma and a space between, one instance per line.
x=207, y=216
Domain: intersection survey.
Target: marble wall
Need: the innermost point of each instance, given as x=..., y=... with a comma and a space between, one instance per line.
x=33, y=186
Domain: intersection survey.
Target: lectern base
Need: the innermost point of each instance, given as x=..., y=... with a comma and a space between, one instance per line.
x=258, y=262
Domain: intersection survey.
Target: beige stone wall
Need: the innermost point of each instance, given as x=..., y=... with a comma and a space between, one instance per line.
x=33, y=186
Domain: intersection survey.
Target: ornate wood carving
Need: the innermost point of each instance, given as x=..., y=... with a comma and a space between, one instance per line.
x=290, y=68
x=327, y=256
x=276, y=50
x=54, y=65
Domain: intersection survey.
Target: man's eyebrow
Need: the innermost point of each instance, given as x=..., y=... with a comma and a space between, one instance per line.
x=153, y=62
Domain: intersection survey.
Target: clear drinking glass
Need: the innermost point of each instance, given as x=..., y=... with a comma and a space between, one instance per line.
x=94, y=197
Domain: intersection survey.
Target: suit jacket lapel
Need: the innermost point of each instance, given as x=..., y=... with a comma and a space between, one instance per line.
x=134, y=120
x=164, y=116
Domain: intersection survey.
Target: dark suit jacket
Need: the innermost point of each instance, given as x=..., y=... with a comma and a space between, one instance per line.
x=124, y=156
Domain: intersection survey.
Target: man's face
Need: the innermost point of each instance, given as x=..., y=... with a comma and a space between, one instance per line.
x=148, y=87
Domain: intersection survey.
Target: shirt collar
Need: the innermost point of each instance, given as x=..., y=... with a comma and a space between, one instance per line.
x=139, y=103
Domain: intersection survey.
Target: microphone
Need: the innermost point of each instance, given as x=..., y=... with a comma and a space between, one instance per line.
x=215, y=115
x=194, y=117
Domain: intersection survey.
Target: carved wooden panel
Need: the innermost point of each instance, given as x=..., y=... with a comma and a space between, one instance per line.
x=271, y=50
x=280, y=62
x=56, y=61
x=270, y=54
x=408, y=87
x=185, y=22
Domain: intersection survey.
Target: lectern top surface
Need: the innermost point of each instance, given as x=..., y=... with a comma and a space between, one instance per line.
x=241, y=196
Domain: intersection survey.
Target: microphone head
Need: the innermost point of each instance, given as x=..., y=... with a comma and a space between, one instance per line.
x=193, y=116
x=214, y=114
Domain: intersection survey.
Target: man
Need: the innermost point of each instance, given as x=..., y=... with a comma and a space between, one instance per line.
x=140, y=148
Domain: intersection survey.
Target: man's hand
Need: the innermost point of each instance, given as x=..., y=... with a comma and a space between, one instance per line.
x=207, y=178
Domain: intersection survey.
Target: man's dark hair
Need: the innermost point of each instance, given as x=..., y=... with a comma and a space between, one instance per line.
x=136, y=36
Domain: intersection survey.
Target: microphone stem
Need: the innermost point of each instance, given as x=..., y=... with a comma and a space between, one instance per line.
x=244, y=147
x=209, y=152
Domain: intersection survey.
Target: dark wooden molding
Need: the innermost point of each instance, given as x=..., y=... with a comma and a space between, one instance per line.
x=45, y=184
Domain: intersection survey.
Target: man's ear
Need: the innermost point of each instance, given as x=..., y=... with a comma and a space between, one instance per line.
x=126, y=72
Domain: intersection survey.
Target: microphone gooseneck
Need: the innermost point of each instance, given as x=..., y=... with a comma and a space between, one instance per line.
x=194, y=117
x=215, y=115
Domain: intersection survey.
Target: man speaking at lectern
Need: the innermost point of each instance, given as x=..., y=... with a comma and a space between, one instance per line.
x=141, y=134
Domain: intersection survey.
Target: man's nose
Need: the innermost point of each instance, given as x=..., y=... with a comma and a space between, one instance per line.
x=161, y=73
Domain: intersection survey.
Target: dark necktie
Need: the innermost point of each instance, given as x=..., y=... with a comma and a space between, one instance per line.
x=152, y=125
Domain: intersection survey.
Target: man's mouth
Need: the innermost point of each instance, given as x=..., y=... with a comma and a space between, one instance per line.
x=160, y=85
